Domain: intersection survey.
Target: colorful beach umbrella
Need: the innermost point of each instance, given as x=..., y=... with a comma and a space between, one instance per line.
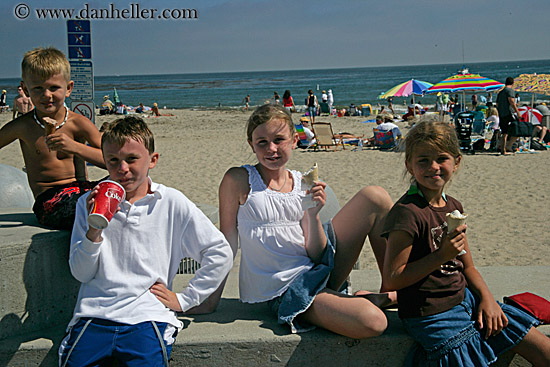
x=406, y=89
x=465, y=82
x=533, y=83
x=530, y=114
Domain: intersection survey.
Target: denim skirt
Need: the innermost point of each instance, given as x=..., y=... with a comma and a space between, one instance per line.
x=302, y=291
x=452, y=338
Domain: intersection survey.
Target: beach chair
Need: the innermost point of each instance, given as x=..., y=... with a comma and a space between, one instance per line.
x=384, y=139
x=325, y=136
x=303, y=142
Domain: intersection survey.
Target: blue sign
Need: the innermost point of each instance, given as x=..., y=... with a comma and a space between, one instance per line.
x=79, y=39
x=80, y=52
x=78, y=26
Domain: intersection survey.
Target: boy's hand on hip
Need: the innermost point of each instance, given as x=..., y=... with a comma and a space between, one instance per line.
x=166, y=296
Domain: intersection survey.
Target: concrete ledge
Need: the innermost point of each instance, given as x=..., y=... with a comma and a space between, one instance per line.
x=38, y=293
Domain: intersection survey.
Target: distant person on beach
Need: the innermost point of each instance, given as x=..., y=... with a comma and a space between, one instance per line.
x=55, y=141
x=324, y=97
x=445, y=104
x=246, y=101
x=508, y=112
x=386, y=124
x=288, y=102
x=444, y=303
x=3, y=101
x=545, y=111
x=330, y=100
x=155, y=110
x=390, y=104
x=21, y=104
x=140, y=108
x=126, y=310
x=276, y=98
x=289, y=259
x=107, y=106
x=474, y=101
x=312, y=105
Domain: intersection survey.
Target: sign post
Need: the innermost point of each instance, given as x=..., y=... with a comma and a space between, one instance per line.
x=79, y=40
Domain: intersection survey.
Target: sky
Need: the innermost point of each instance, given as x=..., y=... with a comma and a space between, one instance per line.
x=246, y=35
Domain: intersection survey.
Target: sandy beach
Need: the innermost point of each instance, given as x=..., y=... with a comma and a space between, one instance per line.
x=507, y=198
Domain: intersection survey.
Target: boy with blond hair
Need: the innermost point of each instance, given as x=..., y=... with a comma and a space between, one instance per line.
x=53, y=138
x=125, y=309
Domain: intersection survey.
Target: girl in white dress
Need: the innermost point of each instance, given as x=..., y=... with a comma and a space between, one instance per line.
x=289, y=259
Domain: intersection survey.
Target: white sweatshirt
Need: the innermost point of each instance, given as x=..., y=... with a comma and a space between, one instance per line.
x=143, y=244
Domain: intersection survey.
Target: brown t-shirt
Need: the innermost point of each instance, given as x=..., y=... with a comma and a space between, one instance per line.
x=442, y=289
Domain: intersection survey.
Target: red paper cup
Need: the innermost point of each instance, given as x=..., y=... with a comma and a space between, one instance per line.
x=110, y=194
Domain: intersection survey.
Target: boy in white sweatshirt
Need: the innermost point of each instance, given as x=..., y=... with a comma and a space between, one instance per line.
x=125, y=309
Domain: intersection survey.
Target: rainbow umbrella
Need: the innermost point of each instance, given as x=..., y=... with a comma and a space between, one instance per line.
x=406, y=89
x=465, y=82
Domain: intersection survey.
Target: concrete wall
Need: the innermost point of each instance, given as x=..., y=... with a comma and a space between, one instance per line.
x=38, y=293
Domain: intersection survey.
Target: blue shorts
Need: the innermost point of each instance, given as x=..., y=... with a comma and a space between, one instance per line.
x=302, y=291
x=452, y=338
x=104, y=341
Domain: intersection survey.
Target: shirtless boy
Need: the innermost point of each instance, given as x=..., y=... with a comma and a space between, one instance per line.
x=55, y=160
x=21, y=104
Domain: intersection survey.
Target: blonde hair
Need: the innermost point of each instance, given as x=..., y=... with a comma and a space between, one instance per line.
x=44, y=63
x=493, y=112
x=266, y=113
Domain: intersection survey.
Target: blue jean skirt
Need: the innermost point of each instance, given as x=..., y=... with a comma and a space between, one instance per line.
x=451, y=338
x=302, y=291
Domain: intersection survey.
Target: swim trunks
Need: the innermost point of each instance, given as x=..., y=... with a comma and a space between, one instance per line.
x=56, y=207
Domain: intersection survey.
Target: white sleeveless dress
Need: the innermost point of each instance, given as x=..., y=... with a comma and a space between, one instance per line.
x=271, y=238
x=275, y=266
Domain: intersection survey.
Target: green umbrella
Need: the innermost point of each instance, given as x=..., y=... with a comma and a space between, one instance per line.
x=115, y=97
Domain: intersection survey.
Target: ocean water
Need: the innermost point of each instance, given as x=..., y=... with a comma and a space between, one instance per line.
x=227, y=90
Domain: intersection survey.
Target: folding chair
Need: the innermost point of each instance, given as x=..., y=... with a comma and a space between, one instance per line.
x=325, y=136
x=384, y=140
x=303, y=142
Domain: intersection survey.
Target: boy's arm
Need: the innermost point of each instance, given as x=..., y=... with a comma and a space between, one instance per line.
x=9, y=133
x=86, y=132
x=232, y=184
x=84, y=252
x=207, y=245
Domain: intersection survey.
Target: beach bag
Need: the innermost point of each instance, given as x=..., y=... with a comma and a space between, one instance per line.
x=520, y=128
x=534, y=305
x=537, y=146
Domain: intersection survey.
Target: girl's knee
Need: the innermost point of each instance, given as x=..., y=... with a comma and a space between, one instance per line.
x=373, y=322
x=376, y=197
